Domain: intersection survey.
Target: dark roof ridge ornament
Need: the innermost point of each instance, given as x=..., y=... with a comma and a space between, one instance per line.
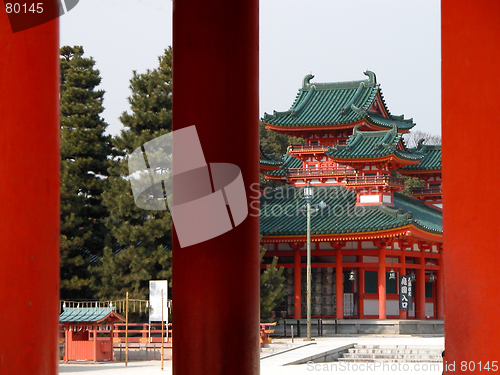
x=372, y=78
x=360, y=111
x=306, y=80
x=420, y=144
x=356, y=130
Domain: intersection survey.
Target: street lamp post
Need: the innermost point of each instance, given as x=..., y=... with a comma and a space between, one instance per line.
x=308, y=195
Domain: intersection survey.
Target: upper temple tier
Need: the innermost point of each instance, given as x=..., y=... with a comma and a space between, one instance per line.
x=374, y=147
x=330, y=107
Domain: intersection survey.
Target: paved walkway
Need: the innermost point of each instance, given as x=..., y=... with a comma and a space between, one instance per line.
x=273, y=365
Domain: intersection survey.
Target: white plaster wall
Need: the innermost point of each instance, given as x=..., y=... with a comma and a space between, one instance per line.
x=283, y=246
x=392, y=307
x=429, y=309
x=369, y=199
x=371, y=307
x=367, y=245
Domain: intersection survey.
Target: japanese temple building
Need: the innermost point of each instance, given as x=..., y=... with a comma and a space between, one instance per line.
x=364, y=232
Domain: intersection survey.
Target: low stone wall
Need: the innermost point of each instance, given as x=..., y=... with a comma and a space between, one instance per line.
x=332, y=327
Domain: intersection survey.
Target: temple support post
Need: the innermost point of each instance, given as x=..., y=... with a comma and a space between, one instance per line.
x=216, y=283
x=29, y=198
x=470, y=97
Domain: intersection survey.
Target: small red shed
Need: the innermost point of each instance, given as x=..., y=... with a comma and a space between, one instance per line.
x=82, y=328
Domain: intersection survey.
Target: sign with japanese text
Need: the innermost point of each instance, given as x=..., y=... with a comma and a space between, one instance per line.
x=405, y=293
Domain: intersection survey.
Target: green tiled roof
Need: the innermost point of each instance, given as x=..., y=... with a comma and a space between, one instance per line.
x=401, y=123
x=431, y=160
x=428, y=218
x=288, y=162
x=320, y=104
x=87, y=314
x=283, y=213
x=266, y=159
x=373, y=144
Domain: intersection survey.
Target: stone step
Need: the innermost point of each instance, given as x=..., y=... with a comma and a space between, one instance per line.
x=427, y=347
x=368, y=360
x=393, y=353
x=393, y=356
x=396, y=351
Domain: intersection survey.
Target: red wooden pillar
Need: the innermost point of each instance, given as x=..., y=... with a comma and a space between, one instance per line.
x=29, y=198
x=216, y=283
x=68, y=337
x=111, y=339
x=361, y=292
x=420, y=280
x=339, y=284
x=297, y=284
x=440, y=287
x=94, y=351
x=402, y=272
x=470, y=30
x=382, y=295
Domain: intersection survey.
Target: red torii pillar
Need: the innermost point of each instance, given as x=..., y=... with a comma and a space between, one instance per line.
x=216, y=283
x=470, y=97
x=29, y=198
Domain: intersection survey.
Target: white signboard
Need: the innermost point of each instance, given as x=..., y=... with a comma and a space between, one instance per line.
x=155, y=288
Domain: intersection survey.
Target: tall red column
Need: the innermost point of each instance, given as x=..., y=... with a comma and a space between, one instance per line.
x=297, y=284
x=382, y=294
x=339, y=284
x=471, y=261
x=420, y=294
x=216, y=283
x=29, y=198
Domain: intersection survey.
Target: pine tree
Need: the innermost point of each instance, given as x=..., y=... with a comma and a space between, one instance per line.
x=272, y=291
x=84, y=164
x=140, y=249
x=274, y=144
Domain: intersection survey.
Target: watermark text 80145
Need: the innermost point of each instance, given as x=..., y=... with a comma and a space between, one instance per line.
x=24, y=8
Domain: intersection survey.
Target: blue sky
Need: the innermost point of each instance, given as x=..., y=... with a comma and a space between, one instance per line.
x=334, y=40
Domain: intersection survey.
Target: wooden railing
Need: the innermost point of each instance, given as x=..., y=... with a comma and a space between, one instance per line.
x=137, y=332
x=435, y=190
x=390, y=180
x=309, y=172
x=308, y=148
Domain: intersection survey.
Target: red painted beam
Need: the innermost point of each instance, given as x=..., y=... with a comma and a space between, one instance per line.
x=470, y=97
x=215, y=288
x=29, y=198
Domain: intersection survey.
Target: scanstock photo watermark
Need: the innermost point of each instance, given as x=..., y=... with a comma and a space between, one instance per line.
x=175, y=162
x=25, y=15
x=376, y=366
x=289, y=202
